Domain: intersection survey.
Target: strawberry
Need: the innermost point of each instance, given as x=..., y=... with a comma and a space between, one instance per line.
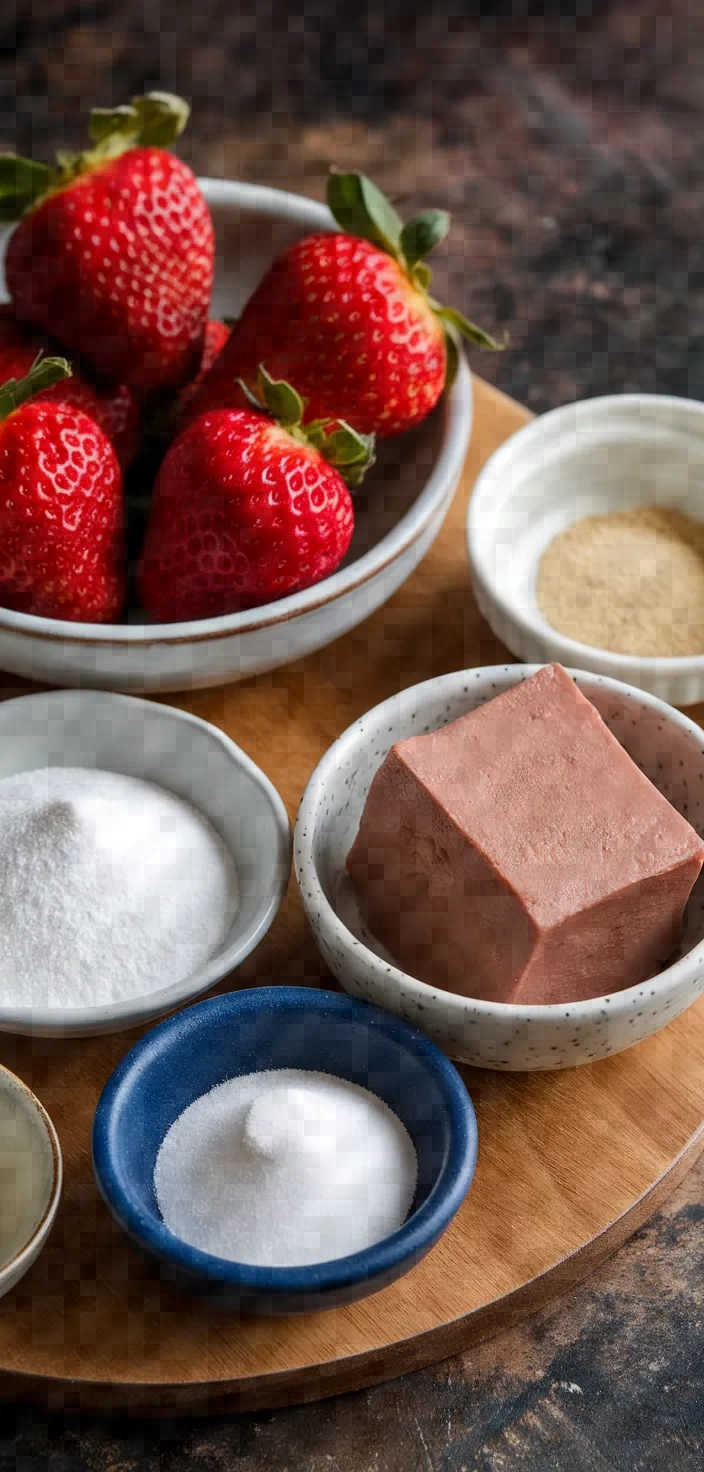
x=113, y=408
x=348, y=319
x=114, y=251
x=249, y=507
x=61, y=550
x=216, y=335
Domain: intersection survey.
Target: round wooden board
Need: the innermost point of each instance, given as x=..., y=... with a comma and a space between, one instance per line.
x=569, y=1163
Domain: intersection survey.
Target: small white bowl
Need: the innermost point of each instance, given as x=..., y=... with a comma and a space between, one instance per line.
x=399, y=512
x=187, y=756
x=25, y=1122
x=587, y=459
x=666, y=745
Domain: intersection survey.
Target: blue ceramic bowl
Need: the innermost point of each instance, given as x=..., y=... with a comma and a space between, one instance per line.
x=284, y=1027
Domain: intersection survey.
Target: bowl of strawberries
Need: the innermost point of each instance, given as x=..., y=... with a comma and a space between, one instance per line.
x=232, y=420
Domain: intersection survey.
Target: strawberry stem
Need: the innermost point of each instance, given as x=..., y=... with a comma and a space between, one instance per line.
x=152, y=121
x=341, y=445
x=43, y=373
x=453, y=319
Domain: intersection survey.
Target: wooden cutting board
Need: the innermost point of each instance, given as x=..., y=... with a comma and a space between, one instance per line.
x=569, y=1163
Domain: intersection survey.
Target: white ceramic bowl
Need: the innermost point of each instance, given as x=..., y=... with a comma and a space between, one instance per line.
x=587, y=459
x=36, y=1153
x=667, y=746
x=400, y=510
x=84, y=728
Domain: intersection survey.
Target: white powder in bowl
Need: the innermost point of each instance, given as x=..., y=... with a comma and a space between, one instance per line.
x=110, y=888
x=285, y=1168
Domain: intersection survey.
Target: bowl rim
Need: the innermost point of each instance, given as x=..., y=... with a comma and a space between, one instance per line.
x=410, y=1240
x=315, y=900
x=456, y=406
x=567, y=650
x=131, y=1012
x=24, y=1258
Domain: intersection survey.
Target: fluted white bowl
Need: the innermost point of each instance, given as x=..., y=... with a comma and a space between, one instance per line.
x=186, y=756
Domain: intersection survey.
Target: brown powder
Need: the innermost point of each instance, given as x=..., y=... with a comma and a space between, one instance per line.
x=631, y=582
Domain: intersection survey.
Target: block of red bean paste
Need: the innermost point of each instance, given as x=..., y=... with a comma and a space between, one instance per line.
x=519, y=854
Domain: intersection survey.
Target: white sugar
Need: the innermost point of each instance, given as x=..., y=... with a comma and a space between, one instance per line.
x=110, y=888
x=285, y=1168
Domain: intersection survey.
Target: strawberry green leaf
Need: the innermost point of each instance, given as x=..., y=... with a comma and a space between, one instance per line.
x=22, y=182
x=353, y=475
x=466, y=328
x=342, y=446
x=452, y=355
x=421, y=235
x=421, y=276
x=281, y=399
x=112, y=122
x=349, y=446
x=67, y=161
x=361, y=209
x=161, y=117
x=43, y=373
x=152, y=121
x=252, y=400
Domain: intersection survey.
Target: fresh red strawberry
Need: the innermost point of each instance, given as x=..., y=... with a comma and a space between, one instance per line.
x=61, y=512
x=348, y=319
x=216, y=335
x=115, y=409
x=114, y=251
x=249, y=508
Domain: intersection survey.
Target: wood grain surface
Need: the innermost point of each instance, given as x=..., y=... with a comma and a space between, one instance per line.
x=569, y=1165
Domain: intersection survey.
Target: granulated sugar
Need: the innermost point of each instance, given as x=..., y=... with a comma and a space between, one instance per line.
x=110, y=888
x=285, y=1168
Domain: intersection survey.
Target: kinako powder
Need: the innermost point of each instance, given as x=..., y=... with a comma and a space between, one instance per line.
x=631, y=582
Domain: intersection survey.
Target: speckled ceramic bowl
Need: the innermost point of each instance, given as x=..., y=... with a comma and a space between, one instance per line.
x=667, y=746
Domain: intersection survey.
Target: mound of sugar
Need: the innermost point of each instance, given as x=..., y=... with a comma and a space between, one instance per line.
x=110, y=888
x=285, y=1168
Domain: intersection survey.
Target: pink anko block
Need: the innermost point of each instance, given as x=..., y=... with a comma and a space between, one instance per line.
x=520, y=855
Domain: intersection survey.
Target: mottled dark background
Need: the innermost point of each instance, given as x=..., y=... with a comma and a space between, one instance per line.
x=568, y=142
x=566, y=139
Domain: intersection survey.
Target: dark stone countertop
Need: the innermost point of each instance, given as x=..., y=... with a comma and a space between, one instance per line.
x=568, y=142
